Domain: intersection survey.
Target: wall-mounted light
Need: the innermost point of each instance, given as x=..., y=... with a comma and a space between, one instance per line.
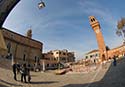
x=41, y=5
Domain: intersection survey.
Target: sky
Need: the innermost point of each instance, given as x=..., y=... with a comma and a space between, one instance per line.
x=64, y=24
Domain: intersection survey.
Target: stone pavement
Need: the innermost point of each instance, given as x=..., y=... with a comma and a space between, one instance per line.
x=114, y=77
x=107, y=76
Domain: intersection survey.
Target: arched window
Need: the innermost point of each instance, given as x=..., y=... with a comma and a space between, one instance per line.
x=24, y=57
x=93, y=19
x=9, y=47
x=35, y=59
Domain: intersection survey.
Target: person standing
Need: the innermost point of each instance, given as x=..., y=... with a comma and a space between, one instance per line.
x=23, y=73
x=28, y=73
x=114, y=61
x=14, y=71
x=18, y=68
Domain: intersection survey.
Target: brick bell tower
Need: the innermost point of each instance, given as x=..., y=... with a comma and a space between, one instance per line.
x=101, y=44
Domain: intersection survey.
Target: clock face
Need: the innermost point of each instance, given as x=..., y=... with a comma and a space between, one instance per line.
x=97, y=31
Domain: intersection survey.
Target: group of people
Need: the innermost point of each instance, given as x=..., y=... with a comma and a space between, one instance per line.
x=24, y=70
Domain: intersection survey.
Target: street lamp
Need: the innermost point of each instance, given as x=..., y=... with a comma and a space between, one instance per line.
x=41, y=5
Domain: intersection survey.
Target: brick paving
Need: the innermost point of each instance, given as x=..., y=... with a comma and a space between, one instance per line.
x=107, y=76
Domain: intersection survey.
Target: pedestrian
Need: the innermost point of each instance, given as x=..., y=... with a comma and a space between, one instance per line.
x=18, y=68
x=114, y=61
x=28, y=73
x=14, y=70
x=23, y=73
x=94, y=61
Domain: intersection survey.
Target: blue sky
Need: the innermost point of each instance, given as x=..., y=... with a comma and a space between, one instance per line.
x=64, y=24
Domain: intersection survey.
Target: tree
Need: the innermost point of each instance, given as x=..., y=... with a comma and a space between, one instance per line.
x=121, y=28
x=107, y=48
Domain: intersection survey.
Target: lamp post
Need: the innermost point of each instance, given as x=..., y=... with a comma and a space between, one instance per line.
x=41, y=5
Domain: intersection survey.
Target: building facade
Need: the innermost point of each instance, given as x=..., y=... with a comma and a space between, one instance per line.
x=22, y=49
x=94, y=54
x=53, y=57
x=118, y=51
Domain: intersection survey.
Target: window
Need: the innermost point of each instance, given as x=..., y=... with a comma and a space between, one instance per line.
x=63, y=59
x=35, y=59
x=38, y=59
x=47, y=65
x=86, y=57
x=57, y=52
x=12, y=36
x=64, y=53
x=54, y=58
x=90, y=56
x=9, y=47
x=96, y=55
x=93, y=19
x=24, y=57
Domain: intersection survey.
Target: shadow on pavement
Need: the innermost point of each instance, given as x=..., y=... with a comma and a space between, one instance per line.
x=3, y=85
x=47, y=82
x=114, y=77
x=11, y=84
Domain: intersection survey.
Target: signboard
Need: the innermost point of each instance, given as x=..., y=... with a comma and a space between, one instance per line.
x=5, y=8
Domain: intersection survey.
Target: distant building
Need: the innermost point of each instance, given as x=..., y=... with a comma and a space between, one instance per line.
x=118, y=51
x=52, y=58
x=92, y=55
x=22, y=49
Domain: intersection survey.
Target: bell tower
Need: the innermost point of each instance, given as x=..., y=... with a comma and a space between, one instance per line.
x=101, y=44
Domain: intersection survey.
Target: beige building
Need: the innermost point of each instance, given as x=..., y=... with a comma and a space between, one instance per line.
x=118, y=51
x=22, y=49
x=92, y=55
x=52, y=58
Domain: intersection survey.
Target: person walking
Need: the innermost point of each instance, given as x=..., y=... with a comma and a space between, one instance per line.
x=14, y=70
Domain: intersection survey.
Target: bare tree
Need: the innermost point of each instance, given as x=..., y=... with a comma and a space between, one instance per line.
x=121, y=28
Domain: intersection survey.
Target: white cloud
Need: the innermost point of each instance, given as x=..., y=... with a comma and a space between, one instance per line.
x=91, y=7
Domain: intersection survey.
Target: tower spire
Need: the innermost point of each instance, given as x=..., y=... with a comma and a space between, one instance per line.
x=29, y=32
